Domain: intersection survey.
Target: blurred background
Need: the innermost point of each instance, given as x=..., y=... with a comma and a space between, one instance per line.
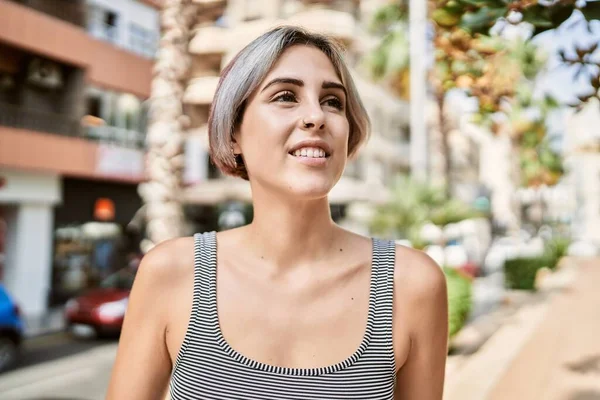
x=485, y=153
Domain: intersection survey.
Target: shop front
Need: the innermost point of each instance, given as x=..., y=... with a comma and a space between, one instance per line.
x=94, y=235
x=27, y=201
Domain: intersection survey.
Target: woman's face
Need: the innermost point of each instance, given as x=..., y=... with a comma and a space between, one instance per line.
x=294, y=132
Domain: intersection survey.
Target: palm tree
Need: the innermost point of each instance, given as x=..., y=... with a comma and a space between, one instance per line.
x=167, y=123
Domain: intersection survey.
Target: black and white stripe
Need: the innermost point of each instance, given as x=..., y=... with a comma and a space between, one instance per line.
x=207, y=368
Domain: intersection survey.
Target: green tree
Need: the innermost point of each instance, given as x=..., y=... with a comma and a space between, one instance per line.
x=523, y=115
x=479, y=16
x=485, y=67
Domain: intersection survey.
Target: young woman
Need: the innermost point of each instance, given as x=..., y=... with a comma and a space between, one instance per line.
x=290, y=306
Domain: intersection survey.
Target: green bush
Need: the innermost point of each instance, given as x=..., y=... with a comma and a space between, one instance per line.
x=555, y=249
x=519, y=273
x=459, y=299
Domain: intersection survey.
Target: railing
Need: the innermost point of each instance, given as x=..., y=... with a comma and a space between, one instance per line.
x=73, y=11
x=104, y=31
x=41, y=121
x=113, y=135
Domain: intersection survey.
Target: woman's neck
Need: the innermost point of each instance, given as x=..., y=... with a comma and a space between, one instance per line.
x=292, y=233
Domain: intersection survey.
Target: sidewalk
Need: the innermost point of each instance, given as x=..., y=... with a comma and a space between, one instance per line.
x=547, y=347
x=51, y=322
x=561, y=361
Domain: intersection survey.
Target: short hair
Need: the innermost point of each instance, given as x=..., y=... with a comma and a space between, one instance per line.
x=243, y=75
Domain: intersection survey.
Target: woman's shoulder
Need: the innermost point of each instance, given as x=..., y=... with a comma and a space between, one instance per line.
x=418, y=277
x=168, y=263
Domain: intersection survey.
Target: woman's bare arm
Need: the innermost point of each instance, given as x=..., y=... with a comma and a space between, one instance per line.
x=143, y=366
x=421, y=286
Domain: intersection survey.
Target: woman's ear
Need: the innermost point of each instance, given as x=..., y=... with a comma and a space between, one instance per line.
x=235, y=142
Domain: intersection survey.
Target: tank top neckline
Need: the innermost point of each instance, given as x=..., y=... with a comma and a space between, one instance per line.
x=210, y=247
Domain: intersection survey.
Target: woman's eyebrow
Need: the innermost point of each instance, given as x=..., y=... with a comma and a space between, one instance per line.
x=334, y=85
x=300, y=83
x=293, y=81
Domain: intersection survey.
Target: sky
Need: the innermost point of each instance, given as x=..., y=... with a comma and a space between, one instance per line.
x=559, y=79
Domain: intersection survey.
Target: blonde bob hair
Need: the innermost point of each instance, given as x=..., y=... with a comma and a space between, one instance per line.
x=244, y=74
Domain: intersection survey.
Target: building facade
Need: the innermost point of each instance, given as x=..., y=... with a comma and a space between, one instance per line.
x=581, y=149
x=225, y=27
x=74, y=79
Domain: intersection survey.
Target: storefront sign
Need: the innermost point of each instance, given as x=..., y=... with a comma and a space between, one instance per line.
x=24, y=186
x=120, y=162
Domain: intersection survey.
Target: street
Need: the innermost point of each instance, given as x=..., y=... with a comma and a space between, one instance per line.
x=58, y=367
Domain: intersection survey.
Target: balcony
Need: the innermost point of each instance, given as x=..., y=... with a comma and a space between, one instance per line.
x=118, y=136
x=70, y=11
x=22, y=118
x=103, y=31
x=39, y=121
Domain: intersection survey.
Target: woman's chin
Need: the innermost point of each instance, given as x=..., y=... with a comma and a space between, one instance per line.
x=310, y=189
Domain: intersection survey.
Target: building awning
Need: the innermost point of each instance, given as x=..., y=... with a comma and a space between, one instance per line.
x=210, y=2
x=210, y=40
x=338, y=24
x=201, y=90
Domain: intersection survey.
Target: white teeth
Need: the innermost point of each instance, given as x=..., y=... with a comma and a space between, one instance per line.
x=312, y=152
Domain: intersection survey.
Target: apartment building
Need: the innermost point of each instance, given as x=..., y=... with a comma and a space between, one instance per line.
x=581, y=151
x=74, y=79
x=223, y=28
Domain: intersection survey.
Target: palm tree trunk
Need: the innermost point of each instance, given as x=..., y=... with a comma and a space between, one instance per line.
x=515, y=177
x=500, y=171
x=445, y=141
x=167, y=124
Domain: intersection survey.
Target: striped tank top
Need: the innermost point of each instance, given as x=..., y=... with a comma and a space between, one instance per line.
x=207, y=368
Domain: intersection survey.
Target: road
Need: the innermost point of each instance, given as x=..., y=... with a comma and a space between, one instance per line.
x=58, y=367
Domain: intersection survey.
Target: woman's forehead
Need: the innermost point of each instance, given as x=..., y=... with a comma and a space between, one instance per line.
x=303, y=62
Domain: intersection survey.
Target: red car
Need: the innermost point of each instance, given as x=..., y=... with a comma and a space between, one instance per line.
x=101, y=311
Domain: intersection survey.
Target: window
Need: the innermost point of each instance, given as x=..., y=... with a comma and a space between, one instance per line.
x=103, y=24
x=142, y=41
x=118, y=118
x=94, y=106
x=110, y=18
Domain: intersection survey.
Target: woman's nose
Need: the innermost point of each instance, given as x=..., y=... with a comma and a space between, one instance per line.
x=313, y=119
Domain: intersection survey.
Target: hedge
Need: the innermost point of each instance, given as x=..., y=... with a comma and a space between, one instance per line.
x=520, y=273
x=459, y=300
x=555, y=249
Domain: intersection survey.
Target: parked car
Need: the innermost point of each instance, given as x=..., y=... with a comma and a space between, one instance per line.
x=101, y=311
x=11, y=330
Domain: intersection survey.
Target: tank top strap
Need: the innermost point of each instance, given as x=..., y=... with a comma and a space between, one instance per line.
x=205, y=273
x=384, y=260
x=205, y=264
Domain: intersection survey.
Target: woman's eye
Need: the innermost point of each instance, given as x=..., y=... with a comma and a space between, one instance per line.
x=334, y=102
x=286, y=97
